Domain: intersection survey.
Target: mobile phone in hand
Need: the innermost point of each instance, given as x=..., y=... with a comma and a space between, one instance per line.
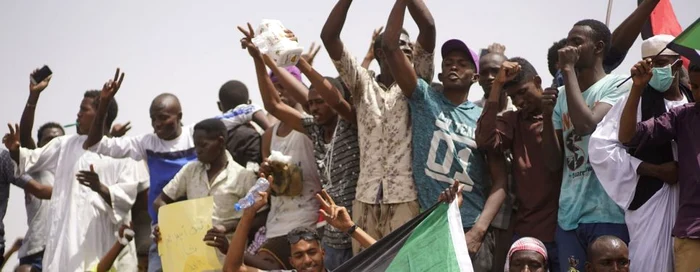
x=40, y=75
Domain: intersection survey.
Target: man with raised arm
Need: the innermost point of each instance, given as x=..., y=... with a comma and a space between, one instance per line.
x=585, y=210
x=83, y=218
x=444, y=146
x=385, y=188
x=166, y=150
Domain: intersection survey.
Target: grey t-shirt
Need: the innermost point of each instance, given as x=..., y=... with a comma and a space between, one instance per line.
x=7, y=177
x=37, y=213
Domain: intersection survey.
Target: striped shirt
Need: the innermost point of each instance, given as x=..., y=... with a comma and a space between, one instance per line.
x=339, y=167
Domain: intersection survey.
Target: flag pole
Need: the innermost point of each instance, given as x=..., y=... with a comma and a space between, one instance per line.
x=607, y=17
x=652, y=60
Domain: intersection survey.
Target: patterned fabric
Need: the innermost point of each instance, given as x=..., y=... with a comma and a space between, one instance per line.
x=384, y=130
x=258, y=241
x=229, y=186
x=526, y=243
x=7, y=176
x=339, y=166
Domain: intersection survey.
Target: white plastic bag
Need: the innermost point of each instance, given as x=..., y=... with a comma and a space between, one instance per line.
x=272, y=41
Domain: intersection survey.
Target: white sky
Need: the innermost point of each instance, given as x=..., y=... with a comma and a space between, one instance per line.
x=190, y=48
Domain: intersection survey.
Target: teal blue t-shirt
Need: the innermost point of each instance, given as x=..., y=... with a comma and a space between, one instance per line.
x=582, y=198
x=444, y=150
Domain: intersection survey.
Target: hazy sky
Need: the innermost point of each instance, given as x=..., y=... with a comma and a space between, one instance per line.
x=190, y=48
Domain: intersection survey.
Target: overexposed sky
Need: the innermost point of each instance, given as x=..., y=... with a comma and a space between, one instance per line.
x=190, y=48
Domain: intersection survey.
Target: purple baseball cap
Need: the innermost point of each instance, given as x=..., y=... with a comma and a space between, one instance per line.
x=459, y=45
x=292, y=70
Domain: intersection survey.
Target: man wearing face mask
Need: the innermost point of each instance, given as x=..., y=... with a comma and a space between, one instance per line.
x=642, y=180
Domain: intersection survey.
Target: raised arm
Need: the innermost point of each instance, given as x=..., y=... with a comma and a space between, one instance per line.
x=339, y=218
x=107, y=261
x=328, y=92
x=641, y=74
x=400, y=66
x=369, y=57
x=330, y=34
x=291, y=85
x=271, y=99
x=582, y=117
x=109, y=90
x=552, y=140
x=626, y=33
x=426, y=24
x=236, y=249
x=27, y=121
x=492, y=133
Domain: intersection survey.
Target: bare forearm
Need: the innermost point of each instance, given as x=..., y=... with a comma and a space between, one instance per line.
x=26, y=123
x=648, y=169
x=236, y=249
x=271, y=101
x=104, y=193
x=426, y=24
x=97, y=129
x=330, y=34
x=628, y=119
x=497, y=168
x=328, y=92
x=363, y=238
x=108, y=260
x=581, y=116
x=626, y=33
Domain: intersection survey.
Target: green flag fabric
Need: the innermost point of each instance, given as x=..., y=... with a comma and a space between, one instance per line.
x=688, y=43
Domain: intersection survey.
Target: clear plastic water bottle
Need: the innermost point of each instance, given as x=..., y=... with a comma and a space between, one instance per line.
x=260, y=186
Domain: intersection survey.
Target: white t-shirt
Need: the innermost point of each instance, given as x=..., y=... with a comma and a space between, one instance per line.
x=37, y=215
x=287, y=213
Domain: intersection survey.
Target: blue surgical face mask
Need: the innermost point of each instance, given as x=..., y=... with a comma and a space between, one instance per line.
x=662, y=78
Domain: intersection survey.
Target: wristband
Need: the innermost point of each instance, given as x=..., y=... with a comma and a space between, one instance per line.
x=351, y=230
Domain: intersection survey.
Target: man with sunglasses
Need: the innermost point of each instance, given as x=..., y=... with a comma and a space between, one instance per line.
x=307, y=254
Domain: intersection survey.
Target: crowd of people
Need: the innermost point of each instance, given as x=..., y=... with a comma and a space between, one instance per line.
x=591, y=172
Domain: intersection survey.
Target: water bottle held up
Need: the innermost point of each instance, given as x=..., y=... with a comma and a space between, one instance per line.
x=260, y=186
x=271, y=40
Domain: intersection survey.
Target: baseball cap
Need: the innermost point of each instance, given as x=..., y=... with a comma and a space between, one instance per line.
x=654, y=45
x=292, y=70
x=458, y=45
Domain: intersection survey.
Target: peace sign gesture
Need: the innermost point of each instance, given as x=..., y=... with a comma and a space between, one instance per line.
x=247, y=41
x=311, y=55
x=11, y=139
x=112, y=86
x=336, y=216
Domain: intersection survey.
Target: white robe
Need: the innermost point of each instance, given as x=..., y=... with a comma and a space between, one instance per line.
x=651, y=244
x=82, y=224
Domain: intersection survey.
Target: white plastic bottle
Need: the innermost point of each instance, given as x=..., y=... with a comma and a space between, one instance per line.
x=260, y=186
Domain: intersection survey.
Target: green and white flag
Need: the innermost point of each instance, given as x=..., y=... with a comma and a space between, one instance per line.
x=688, y=43
x=433, y=241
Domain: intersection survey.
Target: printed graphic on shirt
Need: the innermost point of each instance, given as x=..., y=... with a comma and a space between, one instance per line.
x=443, y=147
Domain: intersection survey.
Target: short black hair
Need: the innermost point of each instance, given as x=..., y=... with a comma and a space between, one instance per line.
x=212, y=126
x=378, y=41
x=39, y=133
x=233, y=93
x=527, y=72
x=338, y=85
x=553, y=56
x=112, y=109
x=601, y=32
x=694, y=67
